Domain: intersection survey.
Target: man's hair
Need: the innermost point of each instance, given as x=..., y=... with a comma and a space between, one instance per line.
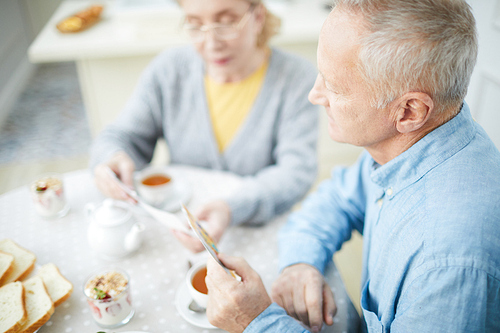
x=426, y=46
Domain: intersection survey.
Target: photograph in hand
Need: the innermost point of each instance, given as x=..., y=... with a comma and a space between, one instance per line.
x=205, y=239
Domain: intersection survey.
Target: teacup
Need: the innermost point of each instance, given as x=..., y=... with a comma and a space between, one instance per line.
x=155, y=186
x=195, y=280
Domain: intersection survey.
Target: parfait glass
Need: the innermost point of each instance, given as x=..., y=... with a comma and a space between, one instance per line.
x=109, y=298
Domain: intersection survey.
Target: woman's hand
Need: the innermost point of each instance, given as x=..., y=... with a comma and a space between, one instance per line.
x=303, y=292
x=217, y=216
x=123, y=166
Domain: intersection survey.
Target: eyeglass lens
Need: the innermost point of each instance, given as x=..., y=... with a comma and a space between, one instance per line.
x=221, y=31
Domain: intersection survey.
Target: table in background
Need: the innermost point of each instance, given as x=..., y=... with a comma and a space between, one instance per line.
x=160, y=265
x=111, y=55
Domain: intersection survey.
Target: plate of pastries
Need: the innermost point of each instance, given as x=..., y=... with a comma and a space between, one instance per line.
x=81, y=20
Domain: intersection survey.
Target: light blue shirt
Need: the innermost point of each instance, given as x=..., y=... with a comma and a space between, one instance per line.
x=430, y=220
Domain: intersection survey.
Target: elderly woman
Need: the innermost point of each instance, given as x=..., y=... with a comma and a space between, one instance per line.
x=229, y=103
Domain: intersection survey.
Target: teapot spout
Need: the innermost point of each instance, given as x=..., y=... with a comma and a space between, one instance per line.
x=133, y=238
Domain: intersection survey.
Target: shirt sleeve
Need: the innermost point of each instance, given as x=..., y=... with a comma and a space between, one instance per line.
x=326, y=219
x=276, y=188
x=450, y=299
x=138, y=126
x=274, y=319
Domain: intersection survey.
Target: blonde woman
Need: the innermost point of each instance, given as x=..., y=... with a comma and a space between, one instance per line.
x=226, y=102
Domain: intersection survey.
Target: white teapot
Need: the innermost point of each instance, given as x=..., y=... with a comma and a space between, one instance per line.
x=113, y=231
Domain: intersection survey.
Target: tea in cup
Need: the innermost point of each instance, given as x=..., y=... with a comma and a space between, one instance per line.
x=195, y=280
x=155, y=186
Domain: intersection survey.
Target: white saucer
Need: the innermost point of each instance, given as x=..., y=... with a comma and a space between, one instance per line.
x=183, y=193
x=182, y=301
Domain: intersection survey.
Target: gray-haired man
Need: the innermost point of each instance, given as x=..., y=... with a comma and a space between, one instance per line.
x=425, y=194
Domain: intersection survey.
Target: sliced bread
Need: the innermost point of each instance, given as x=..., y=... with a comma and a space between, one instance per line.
x=6, y=266
x=58, y=287
x=39, y=306
x=12, y=311
x=24, y=260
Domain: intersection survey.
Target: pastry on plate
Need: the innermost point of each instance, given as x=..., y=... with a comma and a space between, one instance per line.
x=81, y=20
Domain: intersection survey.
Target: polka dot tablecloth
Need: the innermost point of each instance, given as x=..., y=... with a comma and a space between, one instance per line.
x=158, y=268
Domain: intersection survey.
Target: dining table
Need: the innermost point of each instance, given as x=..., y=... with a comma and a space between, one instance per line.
x=157, y=270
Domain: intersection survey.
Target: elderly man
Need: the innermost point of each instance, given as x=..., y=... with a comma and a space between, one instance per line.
x=425, y=194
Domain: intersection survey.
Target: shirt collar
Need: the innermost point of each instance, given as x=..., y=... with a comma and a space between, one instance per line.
x=430, y=151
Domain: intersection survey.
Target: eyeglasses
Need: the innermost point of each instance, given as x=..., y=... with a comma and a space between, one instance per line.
x=220, y=30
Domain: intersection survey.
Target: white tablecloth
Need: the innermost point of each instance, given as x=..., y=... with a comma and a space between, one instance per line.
x=157, y=269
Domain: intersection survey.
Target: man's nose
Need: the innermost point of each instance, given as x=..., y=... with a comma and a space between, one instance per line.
x=316, y=95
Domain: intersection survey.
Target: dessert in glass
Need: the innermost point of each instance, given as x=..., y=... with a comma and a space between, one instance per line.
x=109, y=298
x=48, y=196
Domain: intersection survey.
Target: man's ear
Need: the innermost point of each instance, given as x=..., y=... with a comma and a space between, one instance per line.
x=413, y=110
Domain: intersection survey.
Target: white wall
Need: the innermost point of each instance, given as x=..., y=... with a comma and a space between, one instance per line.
x=20, y=22
x=484, y=89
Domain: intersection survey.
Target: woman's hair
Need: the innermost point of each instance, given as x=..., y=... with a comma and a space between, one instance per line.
x=427, y=46
x=272, y=24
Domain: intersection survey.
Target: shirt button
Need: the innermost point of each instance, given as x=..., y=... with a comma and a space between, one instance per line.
x=379, y=202
x=389, y=191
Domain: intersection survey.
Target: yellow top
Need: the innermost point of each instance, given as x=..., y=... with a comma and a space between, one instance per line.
x=230, y=103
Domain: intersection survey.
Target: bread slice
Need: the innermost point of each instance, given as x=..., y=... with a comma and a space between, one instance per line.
x=6, y=265
x=39, y=306
x=58, y=287
x=12, y=311
x=24, y=260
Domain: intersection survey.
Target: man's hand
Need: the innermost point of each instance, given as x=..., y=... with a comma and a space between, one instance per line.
x=217, y=214
x=123, y=166
x=303, y=292
x=232, y=305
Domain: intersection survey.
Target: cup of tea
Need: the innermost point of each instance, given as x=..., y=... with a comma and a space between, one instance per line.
x=155, y=186
x=195, y=280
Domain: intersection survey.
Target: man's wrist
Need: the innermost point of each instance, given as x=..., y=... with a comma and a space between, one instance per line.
x=261, y=321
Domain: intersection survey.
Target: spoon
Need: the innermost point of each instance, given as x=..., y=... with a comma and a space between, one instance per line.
x=193, y=306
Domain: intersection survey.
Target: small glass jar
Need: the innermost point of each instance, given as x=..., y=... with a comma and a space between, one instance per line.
x=109, y=298
x=47, y=192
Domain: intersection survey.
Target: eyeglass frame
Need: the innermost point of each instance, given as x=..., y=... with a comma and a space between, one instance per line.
x=212, y=26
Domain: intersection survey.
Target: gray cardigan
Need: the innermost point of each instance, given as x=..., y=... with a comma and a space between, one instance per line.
x=275, y=148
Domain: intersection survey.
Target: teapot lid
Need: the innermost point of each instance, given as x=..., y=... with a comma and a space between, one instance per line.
x=111, y=213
